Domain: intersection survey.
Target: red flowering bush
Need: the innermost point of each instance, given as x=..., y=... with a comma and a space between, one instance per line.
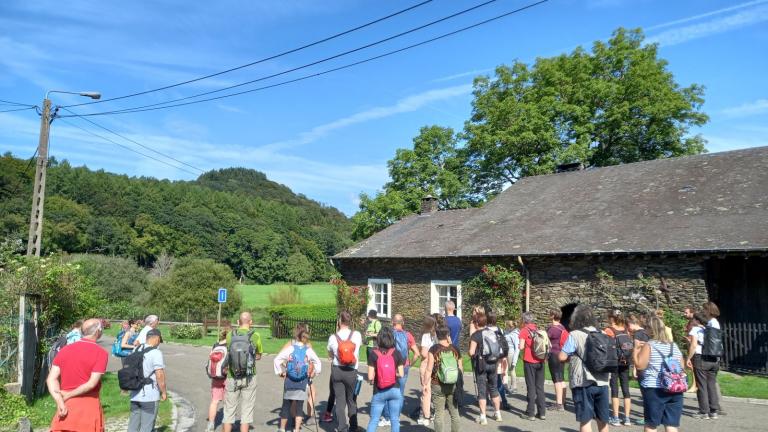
x=353, y=299
x=498, y=287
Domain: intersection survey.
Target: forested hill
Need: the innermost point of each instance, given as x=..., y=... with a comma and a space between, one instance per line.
x=235, y=216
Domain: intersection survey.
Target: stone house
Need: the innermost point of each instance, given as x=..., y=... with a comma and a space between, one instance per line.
x=669, y=232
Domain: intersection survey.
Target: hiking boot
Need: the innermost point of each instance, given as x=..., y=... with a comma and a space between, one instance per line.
x=481, y=419
x=327, y=417
x=713, y=416
x=614, y=421
x=700, y=416
x=384, y=422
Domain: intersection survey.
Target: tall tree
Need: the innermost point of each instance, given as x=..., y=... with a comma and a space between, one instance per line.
x=435, y=166
x=617, y=104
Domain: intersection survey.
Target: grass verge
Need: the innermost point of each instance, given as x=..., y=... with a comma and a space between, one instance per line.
x=256, y=297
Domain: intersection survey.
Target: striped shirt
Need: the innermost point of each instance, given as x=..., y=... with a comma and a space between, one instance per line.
x=652, y=374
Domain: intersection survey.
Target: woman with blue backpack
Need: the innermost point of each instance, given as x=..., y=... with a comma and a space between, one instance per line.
x=297, y=364
x=385, y=366
x=124, y=341
x=664, y=381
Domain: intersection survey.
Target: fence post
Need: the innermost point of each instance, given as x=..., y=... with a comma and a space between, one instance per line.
x=20, y=352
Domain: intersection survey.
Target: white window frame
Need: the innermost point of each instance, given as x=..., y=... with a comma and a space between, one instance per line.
x=372, y=297
x=435, y=295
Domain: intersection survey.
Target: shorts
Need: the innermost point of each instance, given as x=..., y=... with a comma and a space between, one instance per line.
x=285, y=410
x=487, y=381
x=591, y=403
x=661, y=408
x=555, y=368
x=218, y=389
x=240, y=400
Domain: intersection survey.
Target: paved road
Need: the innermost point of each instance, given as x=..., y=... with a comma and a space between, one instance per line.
x=187, y=378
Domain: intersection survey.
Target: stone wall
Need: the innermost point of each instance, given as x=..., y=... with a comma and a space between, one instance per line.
x=628, y=283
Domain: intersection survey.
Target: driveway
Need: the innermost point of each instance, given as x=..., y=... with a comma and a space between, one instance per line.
x=186, y=377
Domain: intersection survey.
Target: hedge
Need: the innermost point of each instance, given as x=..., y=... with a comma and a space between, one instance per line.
x=305, y=311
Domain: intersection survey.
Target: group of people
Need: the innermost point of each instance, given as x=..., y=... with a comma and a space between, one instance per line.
x=643, y=346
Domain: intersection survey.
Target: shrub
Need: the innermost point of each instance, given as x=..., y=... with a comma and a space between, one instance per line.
x=14, y=408
x=500, y=288
x=186, y=331
x=118, y=279
x=304, y=311
x=352, y=299
x=189, y=292
x=286, y=295
x=121, y=310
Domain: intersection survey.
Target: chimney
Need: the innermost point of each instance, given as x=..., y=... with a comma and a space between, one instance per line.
x=568, y=167
x=428, y=204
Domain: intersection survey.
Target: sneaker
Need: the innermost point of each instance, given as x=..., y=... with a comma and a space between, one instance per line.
x=327, y=417
x=713, y=416
x=481, y=419
x=498, y=416
x=527, y=417
x=559, y=407
x=384, y=422
x=210, y=428
x=542, y=417
x=423, y=421
x=614, y=421
x=700, y=416
x=308, y=420
x=627, y=422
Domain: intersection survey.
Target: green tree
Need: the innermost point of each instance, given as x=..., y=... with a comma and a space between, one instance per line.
x=116, y=278
x=299, y=269
x=190, y=290
x=616, y=104
x=435, y=166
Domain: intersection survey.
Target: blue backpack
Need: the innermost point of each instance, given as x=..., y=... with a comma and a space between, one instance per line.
x=401, y=343
x=117, y=348
x=297, y=368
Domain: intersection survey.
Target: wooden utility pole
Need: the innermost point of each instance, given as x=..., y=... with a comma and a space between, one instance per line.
x=38, y=193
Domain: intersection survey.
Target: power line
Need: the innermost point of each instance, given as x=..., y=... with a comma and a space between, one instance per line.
x=127, y=148
x=314, y=63
x=262, y=60
x=131, y=140
x=18, y=109
x=325, y=72
x=15, y=103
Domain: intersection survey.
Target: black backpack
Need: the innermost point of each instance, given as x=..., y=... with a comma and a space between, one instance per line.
x=503, y=345
x=241, y=354
x=600, y=352
x=131, y=376
x=624, y=347
x=57, y=345
x=713, y=342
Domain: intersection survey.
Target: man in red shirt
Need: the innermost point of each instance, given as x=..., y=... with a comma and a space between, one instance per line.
x=533, y=367
x=74, y=382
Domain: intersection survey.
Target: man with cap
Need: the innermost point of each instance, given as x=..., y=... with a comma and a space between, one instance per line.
x=145, y=401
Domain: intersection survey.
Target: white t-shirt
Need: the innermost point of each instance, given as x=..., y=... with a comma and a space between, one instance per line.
x=153, y=361
x=142, y=337
x=698, y=333
x=333, y=345
x=427, y=341
x=714, y=323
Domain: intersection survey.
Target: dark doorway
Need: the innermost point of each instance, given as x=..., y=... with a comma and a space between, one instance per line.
x=567, y=311
x=739, y=286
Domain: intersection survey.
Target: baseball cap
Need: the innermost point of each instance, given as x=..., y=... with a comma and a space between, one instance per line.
x=155, y=332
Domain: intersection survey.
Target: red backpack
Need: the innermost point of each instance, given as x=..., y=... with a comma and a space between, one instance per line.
x=346, y=351
x=386, y=370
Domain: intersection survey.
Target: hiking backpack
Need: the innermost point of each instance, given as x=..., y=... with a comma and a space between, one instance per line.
x=57, y=345
x=540, y=345
x=624, y=347
x=401, y=343
x=117, y=345
x=242, y=354
x=448, y=367
x=491, y=347
x=386, y=369
x=672, y=373
x=600, y=352
x=713, y=342
x=298, y=366
x=131, y=376
x=216, y=366
x=503, y=344
x=346, y=350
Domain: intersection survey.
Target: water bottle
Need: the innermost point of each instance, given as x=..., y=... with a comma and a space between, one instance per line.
x=358, y=384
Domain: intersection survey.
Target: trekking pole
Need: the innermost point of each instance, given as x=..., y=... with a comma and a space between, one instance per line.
x=314, y=408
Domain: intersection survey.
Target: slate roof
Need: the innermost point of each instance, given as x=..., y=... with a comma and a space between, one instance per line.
x=715, y=202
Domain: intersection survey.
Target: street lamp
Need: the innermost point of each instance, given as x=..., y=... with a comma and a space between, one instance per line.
x=38, y=193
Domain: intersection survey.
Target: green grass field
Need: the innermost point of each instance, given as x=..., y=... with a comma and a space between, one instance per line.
x=256, y=297
x=113, y=403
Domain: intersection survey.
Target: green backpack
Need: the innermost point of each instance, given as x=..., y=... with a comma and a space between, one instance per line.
x=448, y=371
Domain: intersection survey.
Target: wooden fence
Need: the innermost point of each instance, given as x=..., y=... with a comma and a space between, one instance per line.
x=746, y=348
x=282, y=327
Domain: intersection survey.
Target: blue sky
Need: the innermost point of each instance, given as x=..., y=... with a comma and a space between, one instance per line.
x=330, y=137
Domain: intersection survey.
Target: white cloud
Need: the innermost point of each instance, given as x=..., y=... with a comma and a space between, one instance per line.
x=472, y=73
x=757, y=107
x=706, y=14
x=407, y=104
x=717, y=143
x=724, y=24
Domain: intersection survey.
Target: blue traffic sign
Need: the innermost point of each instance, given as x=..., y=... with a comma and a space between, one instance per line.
x=222, y=295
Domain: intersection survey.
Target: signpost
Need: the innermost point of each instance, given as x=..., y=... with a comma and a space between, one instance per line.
x=222, y=299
